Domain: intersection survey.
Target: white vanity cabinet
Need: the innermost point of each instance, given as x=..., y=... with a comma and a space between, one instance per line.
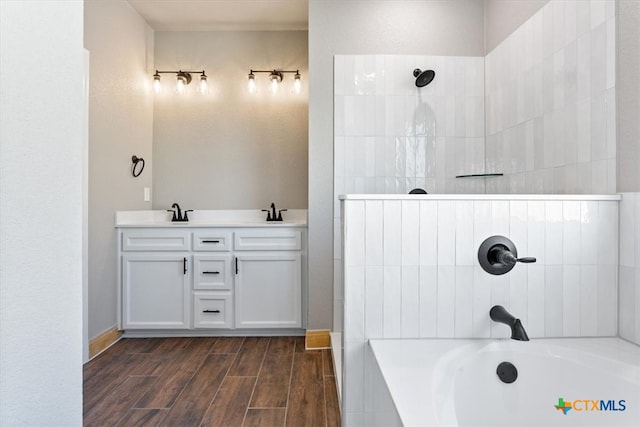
x=211, y=278
x=155, y=275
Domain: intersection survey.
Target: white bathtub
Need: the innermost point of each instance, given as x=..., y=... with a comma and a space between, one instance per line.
x=454, y=382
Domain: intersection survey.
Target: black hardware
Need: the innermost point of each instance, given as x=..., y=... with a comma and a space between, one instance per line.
x=273, y=211
x=423, y=78
x=499, y=314
x=211, y=311
x=184, y=265
x=507, y=372
x=418, y=191
x=271, y=214
x=211, y=241
x=498, y=255
x=136, y=160
x=236, y=265
x=479, y=175
x=178, y=214
x=210, y=272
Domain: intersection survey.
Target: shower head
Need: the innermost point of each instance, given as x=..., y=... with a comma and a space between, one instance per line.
x=423, y=78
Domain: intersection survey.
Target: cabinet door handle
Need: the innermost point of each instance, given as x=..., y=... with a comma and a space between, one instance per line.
x=210, y=272
x=236, y=265
x=211, y=241
x=184, y=265
x=211, y=311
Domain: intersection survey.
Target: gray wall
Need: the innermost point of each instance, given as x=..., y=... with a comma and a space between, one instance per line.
x=231, y=149
x=502, y=17
x=42, y=116
x=120, y=125
x=628, y=96
x=629, y=166
x=365, y=27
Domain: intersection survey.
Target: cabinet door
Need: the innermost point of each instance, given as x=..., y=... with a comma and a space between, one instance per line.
x=268, y=288
x=155, y=290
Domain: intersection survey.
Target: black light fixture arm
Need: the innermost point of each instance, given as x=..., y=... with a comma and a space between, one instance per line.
x=277, y=73
x=180, y=71
x=184, y=73
x=274, y=71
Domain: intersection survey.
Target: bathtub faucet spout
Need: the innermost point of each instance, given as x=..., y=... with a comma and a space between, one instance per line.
x=499, y=314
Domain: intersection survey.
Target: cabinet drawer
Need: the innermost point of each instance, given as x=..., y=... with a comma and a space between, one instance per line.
x=211, y=240
x=267, y=240
x=155, y=240
x=212, y=310
x=212, y=272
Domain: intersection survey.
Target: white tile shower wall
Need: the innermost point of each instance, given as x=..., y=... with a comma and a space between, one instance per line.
x=551, y=112
x=411, y=271
x=391, y=136
x=629, y=301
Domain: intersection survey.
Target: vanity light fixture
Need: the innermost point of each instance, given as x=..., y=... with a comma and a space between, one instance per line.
x=183, y=78
x=275, y=78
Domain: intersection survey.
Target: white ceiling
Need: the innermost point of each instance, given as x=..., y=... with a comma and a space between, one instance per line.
x=224, y=15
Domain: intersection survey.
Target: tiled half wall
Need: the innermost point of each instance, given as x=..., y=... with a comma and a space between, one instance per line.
x=411, y=271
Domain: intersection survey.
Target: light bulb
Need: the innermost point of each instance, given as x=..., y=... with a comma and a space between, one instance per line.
x=204, y=87
x=275, y=83
x=297, y=84
x=180, y=84
x=182, y=80
x=157, y=86
x=252, y=83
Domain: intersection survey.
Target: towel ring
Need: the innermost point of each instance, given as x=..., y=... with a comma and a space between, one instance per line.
x=136, y=160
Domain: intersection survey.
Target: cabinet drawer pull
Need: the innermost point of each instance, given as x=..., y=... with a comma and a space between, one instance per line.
x=210, y=272
x=236, y=265
x=211, y=311
x=184, y=265
x=211, y=241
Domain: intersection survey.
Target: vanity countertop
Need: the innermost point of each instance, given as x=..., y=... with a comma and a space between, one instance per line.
x=210, y=218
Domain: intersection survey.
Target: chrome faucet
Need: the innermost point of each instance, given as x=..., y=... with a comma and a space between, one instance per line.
x=499, y=314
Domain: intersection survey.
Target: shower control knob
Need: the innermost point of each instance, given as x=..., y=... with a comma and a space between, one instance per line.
x=498, y=255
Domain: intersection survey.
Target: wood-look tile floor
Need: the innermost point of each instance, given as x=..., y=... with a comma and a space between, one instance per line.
x=226, y=381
